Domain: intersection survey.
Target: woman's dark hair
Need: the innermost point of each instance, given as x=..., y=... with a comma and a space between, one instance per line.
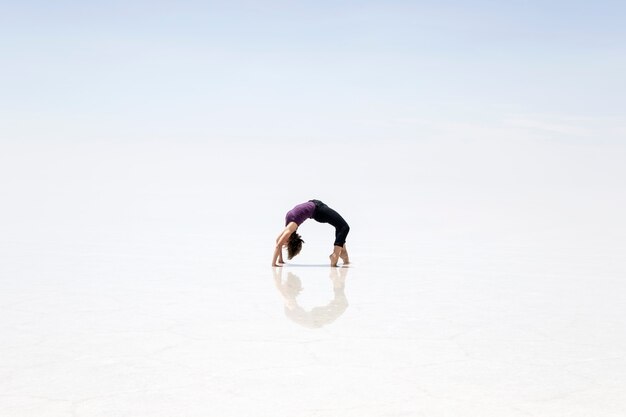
x=294, y=246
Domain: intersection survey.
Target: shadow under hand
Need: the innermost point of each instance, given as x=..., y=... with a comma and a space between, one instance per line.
x=317, y=316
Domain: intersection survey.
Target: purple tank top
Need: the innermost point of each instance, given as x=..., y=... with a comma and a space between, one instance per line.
x=300, y=213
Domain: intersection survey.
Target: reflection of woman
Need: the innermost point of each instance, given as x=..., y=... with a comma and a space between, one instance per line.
x=321, y=213
x=318, y=316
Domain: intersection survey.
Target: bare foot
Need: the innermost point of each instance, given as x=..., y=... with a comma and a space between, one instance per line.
x=333, y=259
x=344, y=257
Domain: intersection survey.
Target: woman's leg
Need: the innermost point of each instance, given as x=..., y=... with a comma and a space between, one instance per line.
x=341, y=233
x=325, y=214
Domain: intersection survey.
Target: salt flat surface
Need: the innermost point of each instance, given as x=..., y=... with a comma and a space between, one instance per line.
x=135, y=281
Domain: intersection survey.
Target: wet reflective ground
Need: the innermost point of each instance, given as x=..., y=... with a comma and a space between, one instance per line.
x=146, y=290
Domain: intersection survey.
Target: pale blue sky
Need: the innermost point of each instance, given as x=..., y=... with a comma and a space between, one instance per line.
x=294, y=69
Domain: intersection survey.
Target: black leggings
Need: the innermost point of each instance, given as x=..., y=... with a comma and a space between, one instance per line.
x=325, y=214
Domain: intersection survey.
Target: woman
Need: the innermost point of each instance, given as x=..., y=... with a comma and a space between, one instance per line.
x=321, y=213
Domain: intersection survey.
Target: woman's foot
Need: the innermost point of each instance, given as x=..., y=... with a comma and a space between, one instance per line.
x=334, y=257
x=344, y=256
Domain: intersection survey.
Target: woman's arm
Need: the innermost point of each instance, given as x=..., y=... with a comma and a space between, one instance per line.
x=280, y=257
x=281, y=240
x=277, y=255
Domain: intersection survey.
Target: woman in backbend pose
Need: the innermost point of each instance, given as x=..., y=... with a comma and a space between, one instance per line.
x=321, y=213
